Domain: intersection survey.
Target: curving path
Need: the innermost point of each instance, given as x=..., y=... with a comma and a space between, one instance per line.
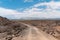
x=33, y=33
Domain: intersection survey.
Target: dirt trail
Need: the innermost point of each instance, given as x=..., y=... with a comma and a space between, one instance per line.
x=34, y=33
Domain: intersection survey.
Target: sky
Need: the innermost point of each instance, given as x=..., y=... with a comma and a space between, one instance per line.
x=25, y=9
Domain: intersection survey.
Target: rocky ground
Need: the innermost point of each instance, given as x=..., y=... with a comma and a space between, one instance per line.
x=10, y=29
x=51, y=27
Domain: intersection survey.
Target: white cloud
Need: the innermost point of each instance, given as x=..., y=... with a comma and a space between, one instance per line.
x=9, y=13
x=6, y=12
x=51, y=4
x=49, y=12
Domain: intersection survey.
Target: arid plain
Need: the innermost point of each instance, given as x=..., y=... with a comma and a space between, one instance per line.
x=29, y=29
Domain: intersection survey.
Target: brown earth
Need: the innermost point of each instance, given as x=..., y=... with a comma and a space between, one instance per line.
x=29, y=30
x=51, y=27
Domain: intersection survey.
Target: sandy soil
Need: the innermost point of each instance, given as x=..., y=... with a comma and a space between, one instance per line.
x=29, y=30
x=34, y=33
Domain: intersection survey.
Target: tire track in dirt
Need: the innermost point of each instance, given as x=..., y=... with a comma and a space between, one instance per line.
x=34, y=33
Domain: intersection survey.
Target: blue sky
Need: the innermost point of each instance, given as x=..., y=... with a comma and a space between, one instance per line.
x=15, y=9
x=16, y=4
